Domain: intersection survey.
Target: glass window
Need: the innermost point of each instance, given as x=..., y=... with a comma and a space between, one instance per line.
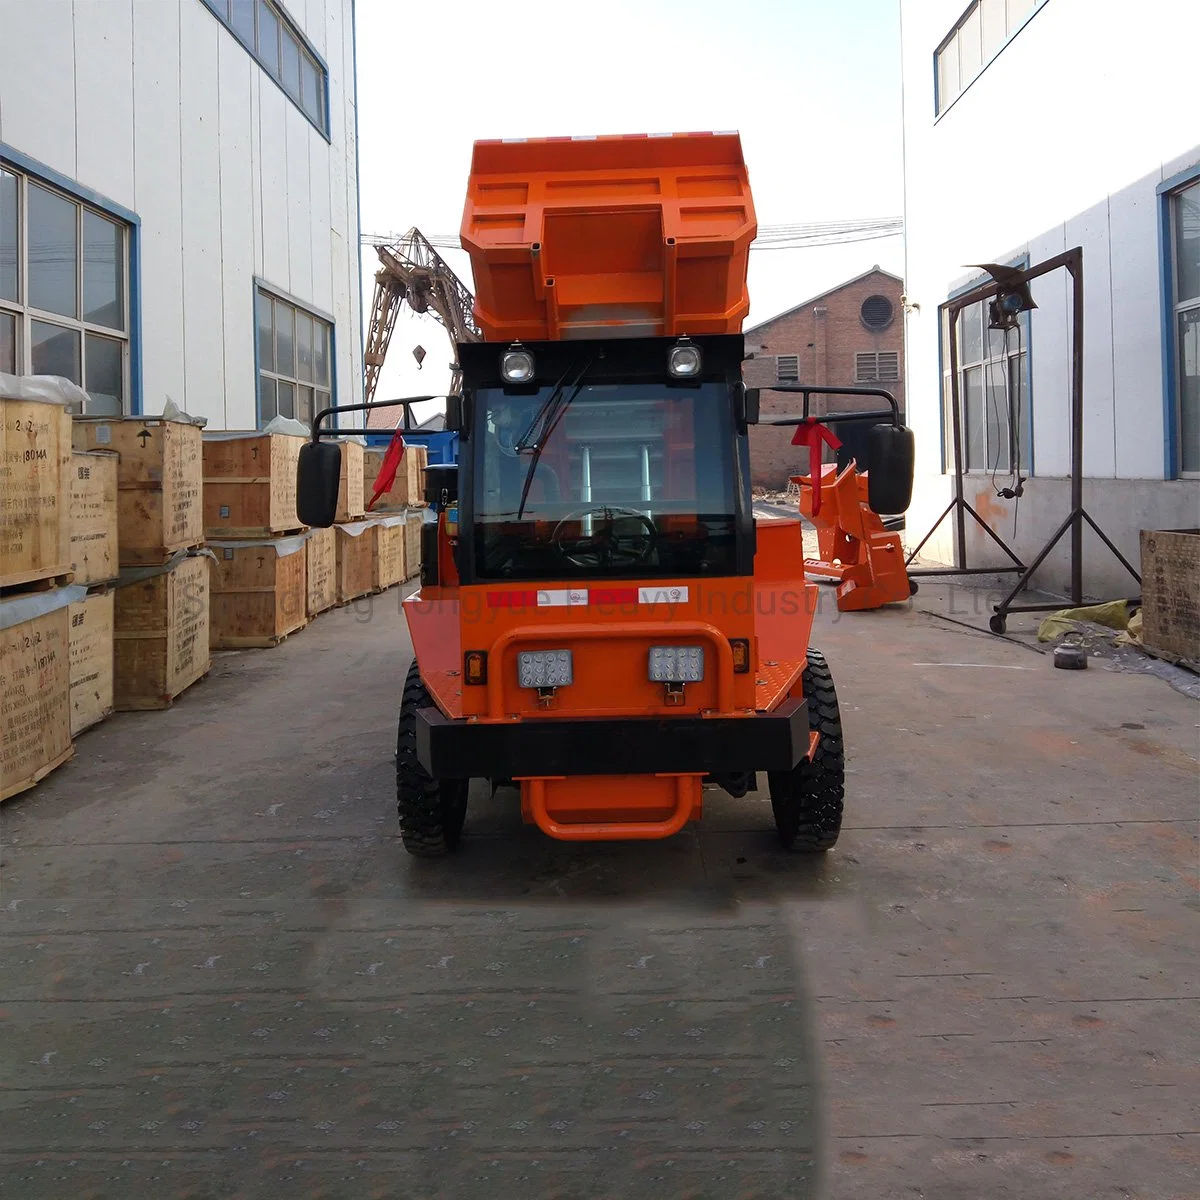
x=9, y=280
x=241, y=21
x=54, y=350
x=268, y=38
x=266, y=332
x=53, y=252
x=633, y=479
x=971, y=325
x=105, y=376
x=8, y=343
x=1018, y=10
x=1187, y=243
x=948, y=73
x=285, y=339
x=1189, y=389
x=304, y=328
x=281, y=49
x=994, y=394
x=293, y=354
x=266, y=399
x=970, y=47
x=310, y=80
x=321, y=354
x=290, y=76
x=60, y=256
x=103, y=271
x=995, y=26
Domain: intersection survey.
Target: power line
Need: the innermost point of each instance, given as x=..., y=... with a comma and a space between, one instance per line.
x=796, y=236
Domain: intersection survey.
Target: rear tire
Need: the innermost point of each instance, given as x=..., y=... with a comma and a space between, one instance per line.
x=808, y=800
x=432, y=811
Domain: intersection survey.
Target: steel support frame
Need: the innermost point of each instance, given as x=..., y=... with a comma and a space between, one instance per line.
x=1072, y=262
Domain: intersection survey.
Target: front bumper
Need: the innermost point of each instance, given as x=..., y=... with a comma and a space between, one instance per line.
x=459, y=749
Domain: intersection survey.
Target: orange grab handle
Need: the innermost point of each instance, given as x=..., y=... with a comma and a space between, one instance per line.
x=609, y=830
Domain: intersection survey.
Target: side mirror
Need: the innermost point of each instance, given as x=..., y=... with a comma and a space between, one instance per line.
x=454, y=413
x=317, y=479
x=891, y=460
x=748, y=414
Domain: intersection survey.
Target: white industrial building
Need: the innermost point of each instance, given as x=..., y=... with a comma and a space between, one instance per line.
x=1031, y=127
x=179, y=203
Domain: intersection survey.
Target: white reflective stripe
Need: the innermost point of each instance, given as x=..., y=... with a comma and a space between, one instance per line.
x=662, y=595
x=562, y=597
x=583, y=137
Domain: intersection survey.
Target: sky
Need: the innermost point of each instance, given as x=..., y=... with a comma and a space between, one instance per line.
x=813, y=86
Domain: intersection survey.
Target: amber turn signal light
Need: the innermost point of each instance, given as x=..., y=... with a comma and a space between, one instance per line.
x=741, y=655
x=475, y=666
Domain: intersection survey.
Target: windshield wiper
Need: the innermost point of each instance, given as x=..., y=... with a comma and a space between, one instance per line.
x=527, y=441
x=553, y=411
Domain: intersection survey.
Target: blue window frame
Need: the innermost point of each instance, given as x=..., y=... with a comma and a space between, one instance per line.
x=69, y=284
x=1179, y=234
x=265, y=29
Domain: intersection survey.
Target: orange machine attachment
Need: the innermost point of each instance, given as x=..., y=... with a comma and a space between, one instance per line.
x=865, y=558
x=625, y=236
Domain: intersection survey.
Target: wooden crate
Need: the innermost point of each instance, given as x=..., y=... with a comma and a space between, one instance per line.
x=387, y=553
x=160, y=634
x=350, y=504
x=355, y=559
x=159, y=484
x=412, y=544
x=320, y=568
x=259, y=592
x=91, y=653
x=93, y=516
x=35, y=450
x=35, y=703
x=1171, y=593
x=250, y=484
x=408, y=488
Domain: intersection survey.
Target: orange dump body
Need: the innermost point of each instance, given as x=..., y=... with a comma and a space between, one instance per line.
x=638, y=236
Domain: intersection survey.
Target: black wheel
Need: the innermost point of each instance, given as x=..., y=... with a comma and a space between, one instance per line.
x=913, y=586
x=431, y=810
x=808, y=799
x=997, y=623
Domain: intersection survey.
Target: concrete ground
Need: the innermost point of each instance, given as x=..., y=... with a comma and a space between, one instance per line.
x=223, y=977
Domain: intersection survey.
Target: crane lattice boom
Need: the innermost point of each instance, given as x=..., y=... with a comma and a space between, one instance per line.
x=412, y=271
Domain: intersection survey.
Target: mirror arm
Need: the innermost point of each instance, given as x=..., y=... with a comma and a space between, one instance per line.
x=318, y=432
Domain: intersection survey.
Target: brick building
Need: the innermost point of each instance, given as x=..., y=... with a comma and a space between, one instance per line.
x=851, y=335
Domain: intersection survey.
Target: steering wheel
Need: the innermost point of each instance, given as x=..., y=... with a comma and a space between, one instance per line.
x=610, y=545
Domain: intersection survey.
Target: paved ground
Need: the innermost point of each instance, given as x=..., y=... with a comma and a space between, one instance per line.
x=224, y=978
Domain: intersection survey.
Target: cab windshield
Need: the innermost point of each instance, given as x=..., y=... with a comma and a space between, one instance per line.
x=603, y=480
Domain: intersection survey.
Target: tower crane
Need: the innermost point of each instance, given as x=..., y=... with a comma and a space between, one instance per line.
x=412, y=271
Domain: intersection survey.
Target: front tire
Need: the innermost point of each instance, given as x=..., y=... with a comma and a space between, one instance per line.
x=808, y=800
x=432, y=811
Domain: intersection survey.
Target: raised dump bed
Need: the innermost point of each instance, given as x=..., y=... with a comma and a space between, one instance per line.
x=626, y=236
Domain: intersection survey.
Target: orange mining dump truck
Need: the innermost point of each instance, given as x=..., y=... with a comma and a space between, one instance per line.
x=600, y=624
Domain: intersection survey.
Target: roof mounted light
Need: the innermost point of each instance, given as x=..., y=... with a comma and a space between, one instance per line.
x=683, y=361
x=516, y=364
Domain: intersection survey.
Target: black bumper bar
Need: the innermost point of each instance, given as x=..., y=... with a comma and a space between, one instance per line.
x=459, y=749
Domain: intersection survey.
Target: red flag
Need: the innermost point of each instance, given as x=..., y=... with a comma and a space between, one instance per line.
x=811, y=433
x=388, y=468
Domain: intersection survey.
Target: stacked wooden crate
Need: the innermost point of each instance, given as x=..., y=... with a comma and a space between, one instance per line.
x=404, y=498
x=355, y=546
x=95, y=560
x=161, y=603
x=259, y=576
x=35, y=717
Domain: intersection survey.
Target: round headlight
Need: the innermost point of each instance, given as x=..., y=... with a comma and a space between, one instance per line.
x=684, y=360
x=517, y=366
